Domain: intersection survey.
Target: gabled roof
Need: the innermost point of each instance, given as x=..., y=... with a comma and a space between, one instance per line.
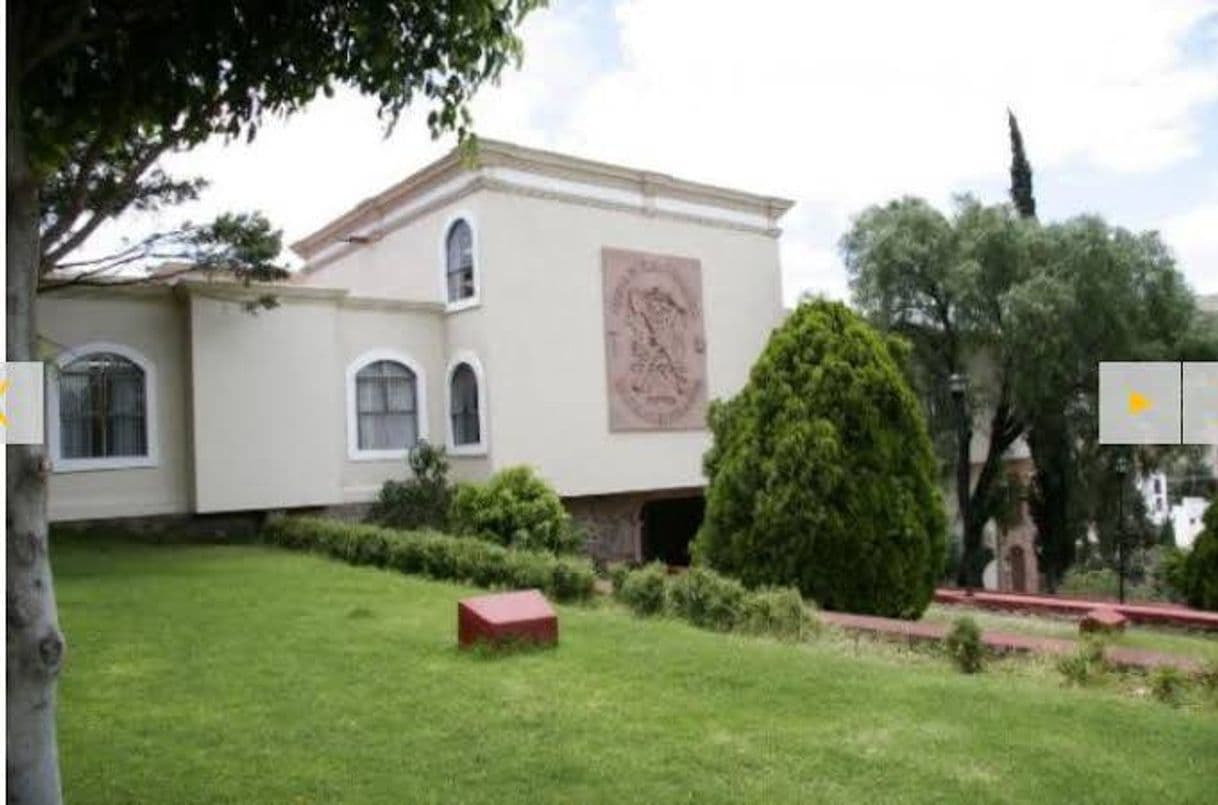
x=499, y=165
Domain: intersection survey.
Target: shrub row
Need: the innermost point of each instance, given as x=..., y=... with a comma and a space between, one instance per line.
x=711, y=601
x=439, y=556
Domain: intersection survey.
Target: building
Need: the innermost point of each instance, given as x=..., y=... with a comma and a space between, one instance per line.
x=1153, y=488
x=1186, y=520
x=523, y=307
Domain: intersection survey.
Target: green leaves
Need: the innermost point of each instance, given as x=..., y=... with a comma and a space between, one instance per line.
x=821, y=474
x=108, y=86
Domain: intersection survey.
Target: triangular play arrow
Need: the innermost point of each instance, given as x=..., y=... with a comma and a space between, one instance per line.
x=1138, y=403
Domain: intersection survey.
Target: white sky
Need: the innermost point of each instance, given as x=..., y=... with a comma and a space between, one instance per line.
x=836, y=105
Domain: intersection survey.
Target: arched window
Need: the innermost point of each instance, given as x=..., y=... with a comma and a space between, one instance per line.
x=386, y=407
x=463, y=405
x=459, y=262
x=102, y=409
x=102, y=412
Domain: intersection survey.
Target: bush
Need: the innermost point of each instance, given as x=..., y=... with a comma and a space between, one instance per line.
x=1086, y=665
x=644, y=590
x=777, y=611
x=706, y=599
x=515, y=508
x=422, y=502
x=710, y=601
x=964, y=645
x=437, y=555
x=1089, y=583
x=1199, y=573
x=1167, y=684
x=1207, y=676
x=617, y=573
x=821, y=474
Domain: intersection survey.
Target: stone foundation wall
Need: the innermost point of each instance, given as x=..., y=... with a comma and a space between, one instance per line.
x=614, y=524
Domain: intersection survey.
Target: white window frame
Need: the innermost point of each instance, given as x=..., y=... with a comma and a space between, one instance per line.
x=480, y=448
x=476, y=299
x=153, y=455
x=420, y=404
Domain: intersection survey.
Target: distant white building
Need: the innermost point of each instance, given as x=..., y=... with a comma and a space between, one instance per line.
x=1186, y=520
x=1153, y=487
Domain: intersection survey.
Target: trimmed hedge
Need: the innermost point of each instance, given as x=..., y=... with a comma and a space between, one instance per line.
x=711, y=601
x=439, y=556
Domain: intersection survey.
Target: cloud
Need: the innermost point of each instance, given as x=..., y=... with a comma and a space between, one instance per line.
x=1193, y=237
x=837, y=105
x=846, y=104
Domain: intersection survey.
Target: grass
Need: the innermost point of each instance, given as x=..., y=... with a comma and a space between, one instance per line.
x=247, y=675
x=1197, y=645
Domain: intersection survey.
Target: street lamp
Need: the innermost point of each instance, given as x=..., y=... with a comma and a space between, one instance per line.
x=1122, y=470
x=957, y=384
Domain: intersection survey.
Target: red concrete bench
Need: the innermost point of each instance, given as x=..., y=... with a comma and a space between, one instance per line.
x=1103, y=619
x=1154, y=614
x=506, y=618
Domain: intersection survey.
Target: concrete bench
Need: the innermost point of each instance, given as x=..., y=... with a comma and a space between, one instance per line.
x=506, y=618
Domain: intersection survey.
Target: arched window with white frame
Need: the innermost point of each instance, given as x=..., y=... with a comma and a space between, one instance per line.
x=460, y=271
x=386, y=414
x=102, y=409
x=466, y=405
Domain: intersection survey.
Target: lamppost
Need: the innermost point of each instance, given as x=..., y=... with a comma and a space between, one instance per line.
x=1122, y=470
x=958, y=385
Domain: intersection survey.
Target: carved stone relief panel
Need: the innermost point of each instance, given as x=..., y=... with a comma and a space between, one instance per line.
x=655, y=341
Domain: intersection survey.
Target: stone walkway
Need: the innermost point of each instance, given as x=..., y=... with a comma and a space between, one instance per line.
x=1002, y=642
x=1158, y=614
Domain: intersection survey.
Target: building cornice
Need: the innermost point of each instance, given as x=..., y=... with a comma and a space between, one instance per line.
x=505, y=167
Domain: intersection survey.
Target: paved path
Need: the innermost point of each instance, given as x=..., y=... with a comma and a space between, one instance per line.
x=1159, y=614
x=1002, y=642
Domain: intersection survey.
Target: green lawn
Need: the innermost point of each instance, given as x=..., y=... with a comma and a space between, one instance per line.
x=1198, y=645
x=247, y=675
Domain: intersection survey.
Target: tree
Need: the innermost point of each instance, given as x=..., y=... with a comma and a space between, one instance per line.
x=98, y=91
x=1061, y=426
x=1200, y=570
x=1021, y=172
x=1052, y=496
x=821, y=474
x=1029, y=310
x=939, y=283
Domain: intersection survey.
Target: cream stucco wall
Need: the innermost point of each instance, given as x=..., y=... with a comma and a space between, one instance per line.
x=407, y=263
x=268, y=405
x=273, y=389
x=253, y=409
x=543, y=335
x=415, y=335
x=153, y=323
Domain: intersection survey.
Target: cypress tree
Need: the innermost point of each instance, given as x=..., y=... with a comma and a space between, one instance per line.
x=1021, y=172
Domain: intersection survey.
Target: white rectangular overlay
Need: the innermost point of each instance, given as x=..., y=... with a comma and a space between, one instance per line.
x=22, y=411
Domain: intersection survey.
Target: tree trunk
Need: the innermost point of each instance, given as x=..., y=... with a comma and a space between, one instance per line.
x=964, y=438
x=1003, y=433
x=35, y=644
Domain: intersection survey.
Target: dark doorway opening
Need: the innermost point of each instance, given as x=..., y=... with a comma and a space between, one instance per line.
x=669, y=526
x=1019, y=571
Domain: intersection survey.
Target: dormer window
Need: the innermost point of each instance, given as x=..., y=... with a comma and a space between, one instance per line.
x=459, y=268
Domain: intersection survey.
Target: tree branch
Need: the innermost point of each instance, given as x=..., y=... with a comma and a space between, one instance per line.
x=78, y=196
x=116, y=204
x=69, y=35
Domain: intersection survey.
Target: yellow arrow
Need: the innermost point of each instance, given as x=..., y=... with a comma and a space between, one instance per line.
x=3, y=388
x=1138, y=403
